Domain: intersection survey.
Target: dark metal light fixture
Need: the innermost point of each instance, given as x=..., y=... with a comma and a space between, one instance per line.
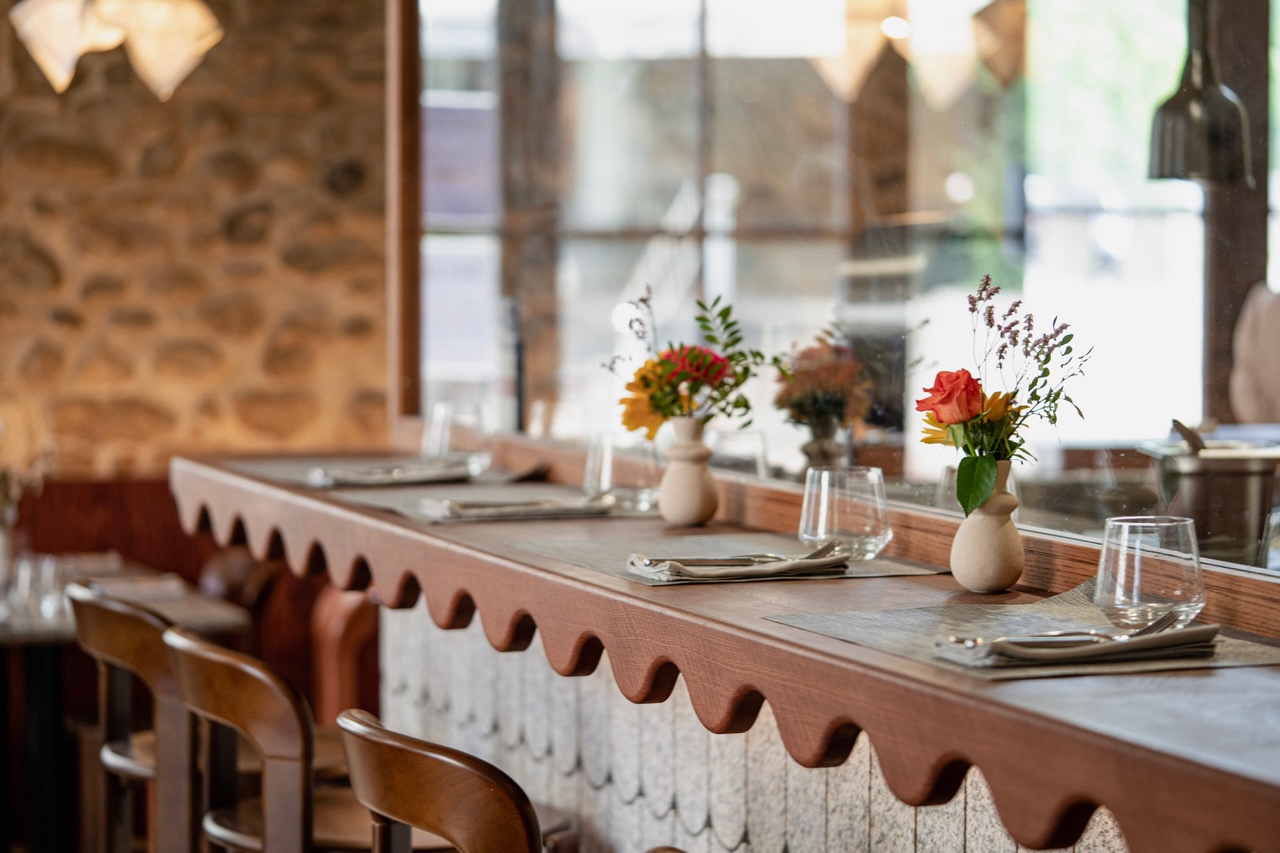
x=1201, y=132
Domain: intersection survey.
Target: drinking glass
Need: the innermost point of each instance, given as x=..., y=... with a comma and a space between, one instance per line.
x=1149, y=565
x=848, y=503
x=458, y=432
x=624, y=469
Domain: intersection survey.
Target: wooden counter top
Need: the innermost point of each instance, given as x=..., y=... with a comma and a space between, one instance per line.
x=1185, y=760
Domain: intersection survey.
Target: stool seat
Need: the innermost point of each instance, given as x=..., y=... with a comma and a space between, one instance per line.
x=134, y=756
x=340, y=823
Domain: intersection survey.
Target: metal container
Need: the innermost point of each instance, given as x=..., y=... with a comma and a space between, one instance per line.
x=1229, y=493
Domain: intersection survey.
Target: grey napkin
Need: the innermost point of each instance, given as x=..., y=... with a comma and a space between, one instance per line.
x=438, y=509
x=671, y=570
x=1192, y=641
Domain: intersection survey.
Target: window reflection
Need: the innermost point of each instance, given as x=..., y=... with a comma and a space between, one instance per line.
x=819, y=165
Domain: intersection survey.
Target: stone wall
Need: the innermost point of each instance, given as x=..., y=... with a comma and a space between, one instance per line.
x=204, y=273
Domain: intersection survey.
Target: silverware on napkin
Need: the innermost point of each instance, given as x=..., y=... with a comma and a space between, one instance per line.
x=388, y=474
x=1192, y=641
x=818, y=563
x=516, y=508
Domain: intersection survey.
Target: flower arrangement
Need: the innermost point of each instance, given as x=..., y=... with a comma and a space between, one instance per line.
x=960, y=412
x=689, y=380
x=823, y=380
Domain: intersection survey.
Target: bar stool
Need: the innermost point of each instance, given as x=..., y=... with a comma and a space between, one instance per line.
x=126, y=641
x=407, y=782
x=228, y=690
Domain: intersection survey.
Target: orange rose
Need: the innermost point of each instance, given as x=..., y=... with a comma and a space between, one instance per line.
x=954, y=398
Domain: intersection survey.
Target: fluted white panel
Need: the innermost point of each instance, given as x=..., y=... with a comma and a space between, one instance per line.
x=594, y=719
x=806, y=807
x=509, y=698
x=692, y=771
x=564, y=725
x=766, y=785
x=658, y=763
x=728, y=789
x=656, y=829
x=849, y=801
x=983, y=830
x=1102, y=835
x=893, y=824
x=484, y=679
x=940, y=829
x=537, y=680
x=626, y=721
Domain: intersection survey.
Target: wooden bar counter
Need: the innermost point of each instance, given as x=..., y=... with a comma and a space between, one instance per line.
x=1185, y=761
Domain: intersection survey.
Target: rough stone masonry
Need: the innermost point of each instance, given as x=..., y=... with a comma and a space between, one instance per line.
x=205, y=273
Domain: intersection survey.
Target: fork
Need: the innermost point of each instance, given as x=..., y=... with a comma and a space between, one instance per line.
x=1080, y=636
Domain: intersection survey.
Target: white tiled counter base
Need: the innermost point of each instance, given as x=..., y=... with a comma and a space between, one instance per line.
x=643, y=775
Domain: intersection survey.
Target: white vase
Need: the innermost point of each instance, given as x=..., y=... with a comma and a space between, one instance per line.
x=986, y=553
x=687, y=493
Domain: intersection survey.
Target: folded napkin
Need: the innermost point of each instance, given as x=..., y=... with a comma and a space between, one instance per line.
x=670, y=570
x=519, y=508
x=165, y=587
x=389, y=473
x=1189, y=642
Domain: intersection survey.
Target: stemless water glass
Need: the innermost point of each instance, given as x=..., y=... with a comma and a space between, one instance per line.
x=847, y=503
x=624, y=469
x=1150, y=565
x=458, y=432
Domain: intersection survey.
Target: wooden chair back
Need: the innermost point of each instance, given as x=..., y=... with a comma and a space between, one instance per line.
x=407, y=782
x=227, y=688
x=126, y=639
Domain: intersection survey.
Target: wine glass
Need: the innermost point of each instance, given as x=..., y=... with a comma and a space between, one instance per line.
x=847, y=503
x=1149, y=565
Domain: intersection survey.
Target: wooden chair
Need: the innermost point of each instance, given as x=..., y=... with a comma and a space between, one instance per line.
x=231, y=691
x=125, y=640
x=406, y=782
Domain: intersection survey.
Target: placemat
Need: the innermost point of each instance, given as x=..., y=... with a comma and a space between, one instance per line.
x=409, y=500
x=611, y=556
x=911, y=633
x=297, y=470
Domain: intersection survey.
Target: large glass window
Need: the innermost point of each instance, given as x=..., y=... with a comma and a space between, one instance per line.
x=820, y=165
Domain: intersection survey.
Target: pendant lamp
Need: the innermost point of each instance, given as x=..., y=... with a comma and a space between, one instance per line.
x=1201, y=132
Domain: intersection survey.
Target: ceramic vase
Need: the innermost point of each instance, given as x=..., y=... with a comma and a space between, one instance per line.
x=986, y=553
x=824, y=449
x=687, y=493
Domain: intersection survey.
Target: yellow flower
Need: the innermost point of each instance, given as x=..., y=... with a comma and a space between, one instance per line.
x=996, y=406
x=637, y=410
x=935, y=432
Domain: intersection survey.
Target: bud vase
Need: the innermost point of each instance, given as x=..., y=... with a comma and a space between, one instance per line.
x=986, y=553
x=824, y=449
x=687, y=493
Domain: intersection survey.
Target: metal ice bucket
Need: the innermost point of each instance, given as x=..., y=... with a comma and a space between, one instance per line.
x=1229, y=491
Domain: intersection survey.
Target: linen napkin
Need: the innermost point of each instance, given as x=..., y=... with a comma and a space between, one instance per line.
x=669, y=570
x=389, y=473
x=1190, y=642
x=439, y=509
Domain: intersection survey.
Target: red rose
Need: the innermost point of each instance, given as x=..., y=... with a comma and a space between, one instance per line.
x=696, y=363
x=954, y=398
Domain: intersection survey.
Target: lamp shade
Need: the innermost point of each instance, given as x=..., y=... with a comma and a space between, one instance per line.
x=1201, y=132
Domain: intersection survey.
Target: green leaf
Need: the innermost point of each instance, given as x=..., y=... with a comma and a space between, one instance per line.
x=975, y=481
